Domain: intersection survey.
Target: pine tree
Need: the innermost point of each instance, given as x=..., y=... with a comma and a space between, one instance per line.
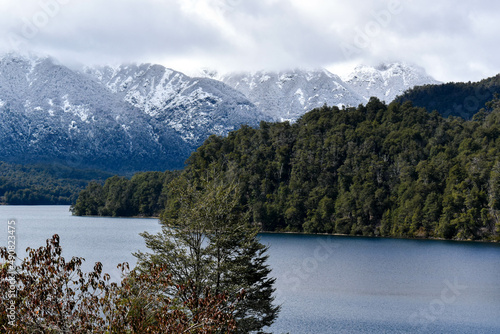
x=206, y=241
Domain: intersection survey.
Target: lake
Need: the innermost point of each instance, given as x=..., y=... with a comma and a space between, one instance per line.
x=325, y=284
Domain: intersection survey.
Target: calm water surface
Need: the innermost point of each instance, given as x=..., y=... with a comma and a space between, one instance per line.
x=325, y=284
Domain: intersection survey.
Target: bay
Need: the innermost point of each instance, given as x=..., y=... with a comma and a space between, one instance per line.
x=325, y=284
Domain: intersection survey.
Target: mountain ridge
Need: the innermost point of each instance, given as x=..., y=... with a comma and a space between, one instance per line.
x=136, y=117
x=50, y=113
x=287, y=95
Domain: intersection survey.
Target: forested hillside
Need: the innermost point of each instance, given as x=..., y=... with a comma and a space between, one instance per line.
x=44, y=184
x=375, y=170
x=454, y=99
x=143, y=195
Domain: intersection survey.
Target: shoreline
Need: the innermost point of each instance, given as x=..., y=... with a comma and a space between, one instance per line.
x=378, y=237
x=337, y=234
x=305, y=233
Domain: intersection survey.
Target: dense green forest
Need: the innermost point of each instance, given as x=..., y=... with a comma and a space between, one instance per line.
x=145, y=194
x=44, y=184
x=453, y=99
x=375, y=170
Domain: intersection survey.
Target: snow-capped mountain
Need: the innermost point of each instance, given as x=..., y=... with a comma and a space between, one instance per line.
x=121, y=119
x=288, y=95
x=148, y=117
x=194, y=107
x=387, y=81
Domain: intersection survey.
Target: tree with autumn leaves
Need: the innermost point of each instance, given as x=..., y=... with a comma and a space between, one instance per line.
x=53, y=295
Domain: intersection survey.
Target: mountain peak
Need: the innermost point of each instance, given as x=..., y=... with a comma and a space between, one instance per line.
x=288, y=94
x=387, y=80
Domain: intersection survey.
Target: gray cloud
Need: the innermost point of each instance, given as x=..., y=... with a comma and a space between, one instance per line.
x=452, y=40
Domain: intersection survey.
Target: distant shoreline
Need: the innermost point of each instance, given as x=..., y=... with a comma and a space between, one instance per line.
x=379, y=237
x=298, y=233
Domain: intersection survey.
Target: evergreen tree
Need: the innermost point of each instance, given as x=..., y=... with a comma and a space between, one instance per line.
x=206, y=241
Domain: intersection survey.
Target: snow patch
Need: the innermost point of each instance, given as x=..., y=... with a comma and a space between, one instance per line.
x=72, y=126
x=81, y=111
x=264, y=78
x=125, y=84
x=300, y=95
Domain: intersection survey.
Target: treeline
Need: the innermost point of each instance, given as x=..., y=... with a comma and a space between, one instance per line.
x=44, y=184
x=453, y=99
x=145, y=194
x=375, y=170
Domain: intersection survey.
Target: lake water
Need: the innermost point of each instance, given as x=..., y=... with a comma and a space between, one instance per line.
x=325, y=284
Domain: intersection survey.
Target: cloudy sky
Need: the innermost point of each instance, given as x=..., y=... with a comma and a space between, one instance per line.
x=452, y=40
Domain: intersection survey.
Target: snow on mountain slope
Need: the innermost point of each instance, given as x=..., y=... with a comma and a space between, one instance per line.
x=145, y=117
x=193, y=107
x=53, y=114
x=288, y=95
x=387, y=81
x=137, y=117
